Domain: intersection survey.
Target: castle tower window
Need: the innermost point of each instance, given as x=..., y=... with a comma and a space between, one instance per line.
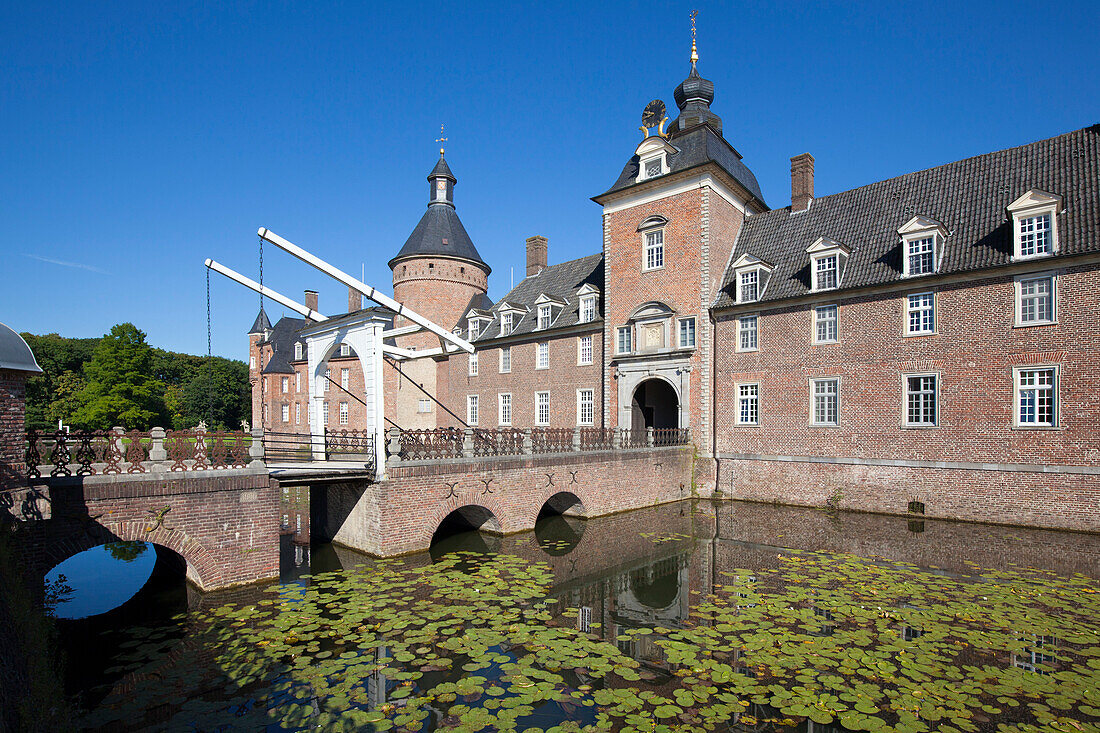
x=1035, y=233
x=655, y=249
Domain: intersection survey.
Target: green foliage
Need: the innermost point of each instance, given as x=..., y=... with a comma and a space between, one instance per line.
x=125, y=550
x=67, y=399
x=120, y=388
x=56, y=355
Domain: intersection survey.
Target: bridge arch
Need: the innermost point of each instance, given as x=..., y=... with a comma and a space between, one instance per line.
x=474, y=510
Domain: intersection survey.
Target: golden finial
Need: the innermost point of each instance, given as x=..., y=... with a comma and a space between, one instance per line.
x=441, y=139
x=694, y=53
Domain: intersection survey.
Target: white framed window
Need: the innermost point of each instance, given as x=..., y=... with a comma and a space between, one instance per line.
x=920, y=256
x=1034, y=224
x=343, y=413
x=826, y=272
x=920, y=314
x=827, y=258
x=747, y=333
x=328, y=379
x=504, y=408
x=298, y=350
x=542, y=355
x=748, y=404
x=585, y=406
x=825, y=401
x=472, y=370
x=506, y=323
x=345, y=378
x=921, y=400
x=622, y=340
x=297, y=413
x=286, y=412
x=654, y=249
x=345, y=350
x=471, y=409
x=652, y=168
x=748, y=286
x=544, y=316
x=588, y=308
x=584, y=350
x=252, y=362
x=1036, y=396
x=423, y=406
x=921, y=246
x=324, y=414
x=542, y=408
x=687, y=332
x=825, y=324
x=505, y=359
x=297, y=381
x=473, y=329
x=1035, y=300
x=285, y=384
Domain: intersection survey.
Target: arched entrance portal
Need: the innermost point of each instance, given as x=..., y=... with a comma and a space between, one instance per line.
x=654, y=405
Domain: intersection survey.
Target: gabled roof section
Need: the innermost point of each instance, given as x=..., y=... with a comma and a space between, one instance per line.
x=969, y=197
x=695, y=147
x=826, y=244
x=1035, y=198
x=922, y=224
x=560, y=282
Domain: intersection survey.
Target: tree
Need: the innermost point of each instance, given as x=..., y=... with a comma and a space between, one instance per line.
x=67, y=398
x=219, y=394
x=56, y=355
x=120, y=389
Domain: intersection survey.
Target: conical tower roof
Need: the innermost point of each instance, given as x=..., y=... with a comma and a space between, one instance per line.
x=261, y=325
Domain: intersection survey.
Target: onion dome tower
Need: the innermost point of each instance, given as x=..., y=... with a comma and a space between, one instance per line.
x=693, y=96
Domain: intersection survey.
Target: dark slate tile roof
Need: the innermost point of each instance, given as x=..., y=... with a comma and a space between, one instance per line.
x=285, y=334
x=969, y=197
x=560, y=281
x=440, y=232
x=697, y=146
x=261, y=323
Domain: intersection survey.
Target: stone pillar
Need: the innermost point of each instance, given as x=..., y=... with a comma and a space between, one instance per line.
x=576, y=438
x=467, y=442
x=157, y=454
x=649, y=437
x=616, y=438
x=256, y=450
x=528, y=444
x=393, y=447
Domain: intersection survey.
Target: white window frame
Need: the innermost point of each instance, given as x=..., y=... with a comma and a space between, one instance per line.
x=742, y=393
x=915, y=232
x=345, y=378
x=297, y=350
x=587, y=309
x=813, y=402
x=628, y=333
x=325, y=384
x=1018, y=290
x=907, y=307
x=505, y=366
x=584, y=355
x=473, y=328
x=583, y=419
x=538, y=408
x=344, y=413
x=818, y=322
x=421, y=404
x=471, y=369
x=1017, y=393
x=743, y=282
x=907, y=393
x=324, y=414
x=645, y=165
x=504, y=408
x=345, y=350
x=819, y=266
x=680, y=322
x=284, y=412
x=297, y=413
x=542, y=355
x=507, y=323
x=297, y=381
x=824, y=249
x=472, y=409
x=1034, y=203
x=284, y=384
x=739, y=346
x=545, y=317
x=653, y=249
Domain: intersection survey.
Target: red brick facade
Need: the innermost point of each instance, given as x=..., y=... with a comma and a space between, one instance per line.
x=13, y=398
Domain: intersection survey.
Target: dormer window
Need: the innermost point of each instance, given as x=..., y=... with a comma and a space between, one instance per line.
x=827, y=259
x=506, y=323
x=588, y=308
x=473, y=329
x=544, y=316
x=653, y=154
x=1035, y=233
x=298, y=351
x=345, y=350
x=544, y=311
x=750, y=278
x=922, y=241
x=653, y=167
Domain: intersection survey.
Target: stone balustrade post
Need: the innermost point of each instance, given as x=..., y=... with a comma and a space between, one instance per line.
x=616, y=438
x=467, y=442
x=649, y=437
x=528, y=443
x=158, y=456
x=393, y=447
x=576, y=438
x=256, y=450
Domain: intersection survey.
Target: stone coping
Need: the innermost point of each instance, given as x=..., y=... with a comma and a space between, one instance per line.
x=903, y=463
x=589, y=456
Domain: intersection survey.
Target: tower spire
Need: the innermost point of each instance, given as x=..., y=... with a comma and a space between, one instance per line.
x=694, y=52
x=441, y=140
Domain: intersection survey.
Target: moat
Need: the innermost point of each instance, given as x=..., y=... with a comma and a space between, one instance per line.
x=691, y=616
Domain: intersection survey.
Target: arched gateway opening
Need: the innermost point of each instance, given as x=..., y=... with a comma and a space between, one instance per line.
x=654, y=405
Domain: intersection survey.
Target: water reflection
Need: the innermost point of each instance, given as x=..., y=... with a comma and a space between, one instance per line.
x=99, y=579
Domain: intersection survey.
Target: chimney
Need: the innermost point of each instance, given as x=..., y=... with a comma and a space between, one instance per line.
x=802, y=182
x=311, y=299
x=536, y=255
x=355, y=300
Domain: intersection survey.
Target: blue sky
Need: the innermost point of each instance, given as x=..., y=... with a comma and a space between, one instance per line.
x=140, y=138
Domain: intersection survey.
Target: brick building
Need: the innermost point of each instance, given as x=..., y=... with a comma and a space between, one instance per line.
x=17, y=364
x=912, y=344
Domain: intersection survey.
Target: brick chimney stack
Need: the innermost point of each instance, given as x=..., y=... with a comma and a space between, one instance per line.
x=311, y=300
x=536, y=254
x=355, y=300
x=802, y=182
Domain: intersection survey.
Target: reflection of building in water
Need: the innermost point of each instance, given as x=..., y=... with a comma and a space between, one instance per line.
x=294, y=508
x=1039, y=650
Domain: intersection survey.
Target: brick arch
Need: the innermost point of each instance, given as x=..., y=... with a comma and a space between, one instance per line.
x=469, y=497
x=202, y=569
x=549, y=493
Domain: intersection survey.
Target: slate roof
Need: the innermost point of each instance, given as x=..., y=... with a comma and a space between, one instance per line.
x=697, y=146
x=261, y=324
x=282, y=345
x=560, y=281
x=968, y=196
x=15, y=354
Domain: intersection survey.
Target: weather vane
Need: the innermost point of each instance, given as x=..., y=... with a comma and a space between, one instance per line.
x=441, y=140
x=694, y=53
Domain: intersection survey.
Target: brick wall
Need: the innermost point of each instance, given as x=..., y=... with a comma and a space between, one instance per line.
x=13, y=399
x=973, y=351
